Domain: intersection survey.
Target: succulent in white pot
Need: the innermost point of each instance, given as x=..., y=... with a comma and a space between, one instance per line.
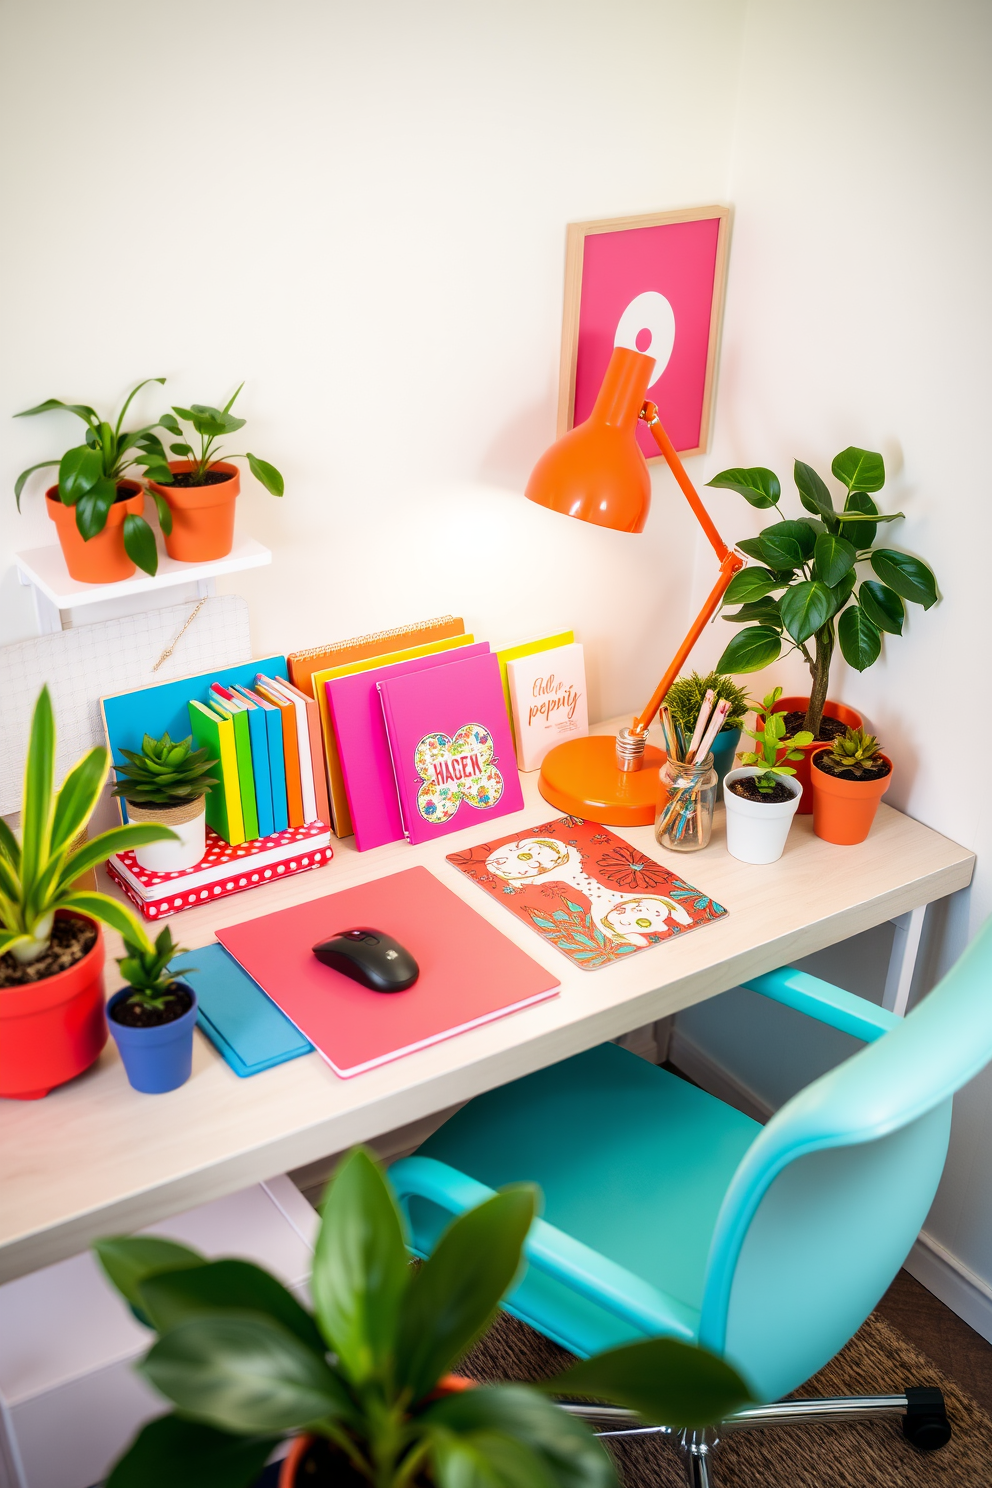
x=762, y=795
x=167, y=783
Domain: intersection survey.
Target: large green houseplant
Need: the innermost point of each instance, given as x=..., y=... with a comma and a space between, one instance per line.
x=805, y=590
x=364, y=1374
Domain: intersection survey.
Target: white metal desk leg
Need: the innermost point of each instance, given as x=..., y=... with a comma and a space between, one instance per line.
x=902, y=960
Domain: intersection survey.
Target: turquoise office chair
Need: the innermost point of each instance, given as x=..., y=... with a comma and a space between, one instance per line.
x=666, y=1212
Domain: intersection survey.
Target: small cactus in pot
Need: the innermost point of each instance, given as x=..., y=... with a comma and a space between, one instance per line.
x=168, y=782
x=856, y=755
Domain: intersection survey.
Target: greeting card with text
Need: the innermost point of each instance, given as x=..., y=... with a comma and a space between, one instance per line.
x=548, y=696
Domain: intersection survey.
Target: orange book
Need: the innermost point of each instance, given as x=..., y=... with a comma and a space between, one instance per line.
x=291, y=748
x=303, y=664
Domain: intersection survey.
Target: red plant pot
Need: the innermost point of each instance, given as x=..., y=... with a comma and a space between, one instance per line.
x=101, y=559
x=846, y=715
x=844, y=807
x=51, y=1030
x=202, y=516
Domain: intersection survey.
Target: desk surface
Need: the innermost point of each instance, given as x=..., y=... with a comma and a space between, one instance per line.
x=95, y=1157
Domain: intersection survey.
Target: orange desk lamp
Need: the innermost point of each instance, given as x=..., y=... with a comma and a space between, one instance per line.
x=596, y=472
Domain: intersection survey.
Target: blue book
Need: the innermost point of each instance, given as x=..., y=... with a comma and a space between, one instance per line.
x=277, y=765
x=258, y=734
x=236, y=1016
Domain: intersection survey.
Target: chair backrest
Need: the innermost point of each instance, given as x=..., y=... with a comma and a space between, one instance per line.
x=829, y=1199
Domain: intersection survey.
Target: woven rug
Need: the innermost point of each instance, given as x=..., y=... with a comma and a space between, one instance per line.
x=877, y=1361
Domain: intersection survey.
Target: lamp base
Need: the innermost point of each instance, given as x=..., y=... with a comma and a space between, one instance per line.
x=581, y=778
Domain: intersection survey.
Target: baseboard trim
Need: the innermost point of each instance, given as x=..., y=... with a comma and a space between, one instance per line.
x=957, y=1286
x=704, y=1070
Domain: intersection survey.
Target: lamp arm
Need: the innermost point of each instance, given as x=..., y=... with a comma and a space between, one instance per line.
x=730, y=564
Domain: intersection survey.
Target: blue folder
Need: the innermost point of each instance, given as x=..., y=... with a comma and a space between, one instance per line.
x=239, y=1020
x=260, y=766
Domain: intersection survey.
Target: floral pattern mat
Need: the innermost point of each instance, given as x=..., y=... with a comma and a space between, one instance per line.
x=587, y=891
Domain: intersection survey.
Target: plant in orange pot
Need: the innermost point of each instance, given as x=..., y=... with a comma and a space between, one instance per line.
x=203, y=486
x=849, y=780
x=96, y=511
x=52, y=1021
x=362, y=1382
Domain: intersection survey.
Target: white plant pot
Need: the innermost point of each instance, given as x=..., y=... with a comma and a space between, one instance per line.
x=756, y=830
x=172, y=857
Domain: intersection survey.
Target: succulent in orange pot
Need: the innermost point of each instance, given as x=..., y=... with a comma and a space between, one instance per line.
x=849, y=779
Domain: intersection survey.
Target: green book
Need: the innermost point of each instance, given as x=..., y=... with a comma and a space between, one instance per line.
x=223, y=809
x=242, y=745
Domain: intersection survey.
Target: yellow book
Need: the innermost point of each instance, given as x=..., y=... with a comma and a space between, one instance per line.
x=526, y=648
x=223, y=810
x=335, y=778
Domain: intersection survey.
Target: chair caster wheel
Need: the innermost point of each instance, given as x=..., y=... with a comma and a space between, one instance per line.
x=925, y=1424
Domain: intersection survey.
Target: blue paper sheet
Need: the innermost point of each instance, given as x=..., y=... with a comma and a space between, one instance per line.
x=239, y=1020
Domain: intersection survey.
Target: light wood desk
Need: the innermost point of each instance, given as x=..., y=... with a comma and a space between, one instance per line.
x=95, y=1157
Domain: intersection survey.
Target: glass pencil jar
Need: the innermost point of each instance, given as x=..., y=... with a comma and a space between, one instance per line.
x=684, y=818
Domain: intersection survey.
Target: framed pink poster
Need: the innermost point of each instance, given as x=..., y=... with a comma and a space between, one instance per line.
x=654, y=283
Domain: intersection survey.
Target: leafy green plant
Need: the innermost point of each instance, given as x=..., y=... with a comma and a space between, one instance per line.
x=685, y=698
x=772, y=739
x=144, y=968
x=38, y=872
x=210, y=424
x=854, y=753
x=814, y=561
x=164, y=773
x=89, y=472
x=245, y=1365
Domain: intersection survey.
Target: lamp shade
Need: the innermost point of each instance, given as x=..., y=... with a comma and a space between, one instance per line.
x=596, y=471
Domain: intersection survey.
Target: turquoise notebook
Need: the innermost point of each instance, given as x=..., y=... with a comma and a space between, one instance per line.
x=242, y=1023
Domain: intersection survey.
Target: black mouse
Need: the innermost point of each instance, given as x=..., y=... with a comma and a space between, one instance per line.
x=370, y=957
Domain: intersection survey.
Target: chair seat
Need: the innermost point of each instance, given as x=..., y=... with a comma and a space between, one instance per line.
x=631, y=1160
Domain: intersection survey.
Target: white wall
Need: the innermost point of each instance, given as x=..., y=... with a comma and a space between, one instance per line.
x=361, y=210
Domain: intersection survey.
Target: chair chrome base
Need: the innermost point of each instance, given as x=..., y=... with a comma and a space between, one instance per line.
x=924, y=1423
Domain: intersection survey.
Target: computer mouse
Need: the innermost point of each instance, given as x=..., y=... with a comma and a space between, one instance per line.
x=370, y=957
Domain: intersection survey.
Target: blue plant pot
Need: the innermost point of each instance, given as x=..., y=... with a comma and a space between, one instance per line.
x=155, y=1059
x=723, y=749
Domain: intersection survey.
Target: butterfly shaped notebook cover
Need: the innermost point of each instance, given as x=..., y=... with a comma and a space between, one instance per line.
x=586, y=890
x=452, y=752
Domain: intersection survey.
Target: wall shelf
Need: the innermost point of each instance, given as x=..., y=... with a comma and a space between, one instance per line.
x=44, y=570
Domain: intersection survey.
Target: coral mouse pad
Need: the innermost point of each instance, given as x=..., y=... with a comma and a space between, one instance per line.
x=469, y=972
x=592, y=895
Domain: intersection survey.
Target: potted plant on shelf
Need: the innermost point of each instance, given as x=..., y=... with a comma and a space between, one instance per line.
x=804, y=590
x=96, y=511
x=203, y=486
x=685, y=698
x=762, y=796
x=850, y=777
x=168, y=783
x=363, y=1381
x=153, y=1017
x=52, y=1022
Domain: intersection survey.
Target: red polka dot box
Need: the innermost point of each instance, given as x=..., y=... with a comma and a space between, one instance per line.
x=222, y=870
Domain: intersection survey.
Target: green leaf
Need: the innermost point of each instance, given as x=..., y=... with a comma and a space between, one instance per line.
x=170, y=1451
x=859, y=638
x=665, y=1381
x=787, y=544
x=360, y=1267
x=183, y=451
x=861, y=534
x=563, y=1449
x=757, y=485
x=19, y=483
x=170, y=1297
x=168, y=422
x=267, y=474
x=88, y=415
x=860, y=470
x=113, y=840
x=843, y=591
x=10, y=848
x=832, y=558
x=752, y=547
x=908, y=576
x=164, y=509
x=750, y=584
x=813, y=492
x=805, y=607
x=761, y=611
x=102, y=907
x=76, y=800
x=128, y=1260
x=484, y=1460
x=230, y=402
x=455, y=1293
x=37, y=807
x=79, y=471
x=882, y=606
x=93, y=506
x=243, y=1372
x=751, y=650
x=139, y=543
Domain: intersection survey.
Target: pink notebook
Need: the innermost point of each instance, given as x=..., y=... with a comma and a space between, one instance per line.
x=451, y=747
x=364, y=749
x=469, y=972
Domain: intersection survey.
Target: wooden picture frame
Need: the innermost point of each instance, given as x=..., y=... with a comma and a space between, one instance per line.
x=620, y=269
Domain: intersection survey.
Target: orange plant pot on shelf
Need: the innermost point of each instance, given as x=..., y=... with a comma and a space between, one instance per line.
x=202, y=516
x=843, y=807
x=847, y=716
x=53, y=1029
x=101, y=559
